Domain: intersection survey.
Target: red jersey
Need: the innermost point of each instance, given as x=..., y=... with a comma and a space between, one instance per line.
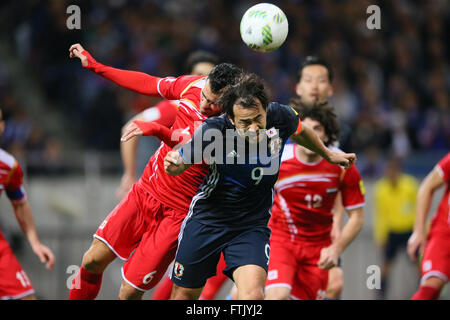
x=305, y=196
x=177, y=191
x=441, y=220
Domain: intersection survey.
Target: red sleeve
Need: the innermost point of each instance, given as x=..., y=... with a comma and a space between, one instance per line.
x=137, y=81
x=173, y=88
x=14, y=187
x=166, y=135
x=444, y=167
x=352, y=188
x=167, y=111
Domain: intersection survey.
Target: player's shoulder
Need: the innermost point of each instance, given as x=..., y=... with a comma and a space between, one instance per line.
x=219, y=122
x=276, y=110
x=7, y=159
x=444, y=163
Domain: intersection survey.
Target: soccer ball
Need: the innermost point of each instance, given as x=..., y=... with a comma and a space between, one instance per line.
x=264, y=27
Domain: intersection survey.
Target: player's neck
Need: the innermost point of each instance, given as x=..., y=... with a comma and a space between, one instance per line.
x=306, y=157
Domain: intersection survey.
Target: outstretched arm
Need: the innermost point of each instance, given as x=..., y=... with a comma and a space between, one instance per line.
x=309, y=139
x=137, y=81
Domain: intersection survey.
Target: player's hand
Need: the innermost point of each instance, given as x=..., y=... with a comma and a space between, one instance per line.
x=126, y=183
x=132, y=130
x=173, y=163
x=45, y=255
x=75, y=52
x=416, y=245
x=342, y=158
x=328, y=258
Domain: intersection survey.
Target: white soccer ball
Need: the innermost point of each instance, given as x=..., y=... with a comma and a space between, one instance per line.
x=264, y=27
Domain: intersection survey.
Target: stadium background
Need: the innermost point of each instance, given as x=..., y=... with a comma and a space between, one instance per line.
x=63, y=123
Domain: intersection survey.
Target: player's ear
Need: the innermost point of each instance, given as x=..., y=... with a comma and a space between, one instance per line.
x=330, y=91
x=298, y=89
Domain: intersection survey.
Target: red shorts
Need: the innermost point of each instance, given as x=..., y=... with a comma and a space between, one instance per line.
x=144, y=233
x=14, y=282
x=294, y=266
x=436, y=258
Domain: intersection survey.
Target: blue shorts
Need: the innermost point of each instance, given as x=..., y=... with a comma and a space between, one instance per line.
x=200, y=246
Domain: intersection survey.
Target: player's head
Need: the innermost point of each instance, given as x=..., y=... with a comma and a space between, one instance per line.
x=321, y=118
x=393, y=168
x=201, y=63
x=221, y=75
x=245, y=103
x=314, y=84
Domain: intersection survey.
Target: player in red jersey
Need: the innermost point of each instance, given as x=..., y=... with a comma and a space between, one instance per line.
x=198, y=63
x=143, y=228
x=14, y=282
x=302, y=218
x=434, y=247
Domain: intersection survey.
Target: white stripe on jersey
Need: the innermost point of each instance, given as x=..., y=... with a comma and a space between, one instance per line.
x=319, y=177
x=6, y=158
x=287, y=213
x=171, y=79
x=188, y=104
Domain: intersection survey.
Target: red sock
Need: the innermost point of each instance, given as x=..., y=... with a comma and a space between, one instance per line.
x=85, y=285
x=214, y=284
x=426, y=293
x=163, y=290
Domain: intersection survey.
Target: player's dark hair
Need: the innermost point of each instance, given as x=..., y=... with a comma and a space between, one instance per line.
x=321, y=112
x=198, y=57
x=222, y=75
x=244, y=93
x=316, y=60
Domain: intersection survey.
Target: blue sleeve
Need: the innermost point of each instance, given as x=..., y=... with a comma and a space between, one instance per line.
x=286, y=118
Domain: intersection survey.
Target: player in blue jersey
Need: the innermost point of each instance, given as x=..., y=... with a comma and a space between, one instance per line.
x=231, y=209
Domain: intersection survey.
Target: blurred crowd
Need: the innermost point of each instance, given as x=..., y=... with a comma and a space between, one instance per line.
x=391, y=86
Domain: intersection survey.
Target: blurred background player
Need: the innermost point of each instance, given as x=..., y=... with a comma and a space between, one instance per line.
x=314, y=87
x=198, y=63
x=395, y=199
x=143, y=228
x=435, y=246
x=14, y=282
x=302, y=250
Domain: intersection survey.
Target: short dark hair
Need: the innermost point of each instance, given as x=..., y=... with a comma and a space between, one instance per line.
x=222, y=75
x=198, y=57
x=244, y=93
x=316, y=60
x=321, y=112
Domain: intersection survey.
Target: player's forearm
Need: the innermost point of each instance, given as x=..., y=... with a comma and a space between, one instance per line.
x=423, y=204
x=350, y=230
x=133, y=80
x=24, y=216
x=309, y=139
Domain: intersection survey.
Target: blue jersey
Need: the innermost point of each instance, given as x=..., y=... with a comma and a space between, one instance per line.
x=238, y=190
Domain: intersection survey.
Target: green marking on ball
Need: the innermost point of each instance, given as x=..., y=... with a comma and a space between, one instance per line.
x=279, y=18
x=257, y=14
x=267, y=35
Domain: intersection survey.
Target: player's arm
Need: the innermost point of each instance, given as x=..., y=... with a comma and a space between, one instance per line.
x=176, y=162
x=433, y=181
x=137, y=81
x=329, y=256
x=24, y=216
x=338, y=217
x=306, y=137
